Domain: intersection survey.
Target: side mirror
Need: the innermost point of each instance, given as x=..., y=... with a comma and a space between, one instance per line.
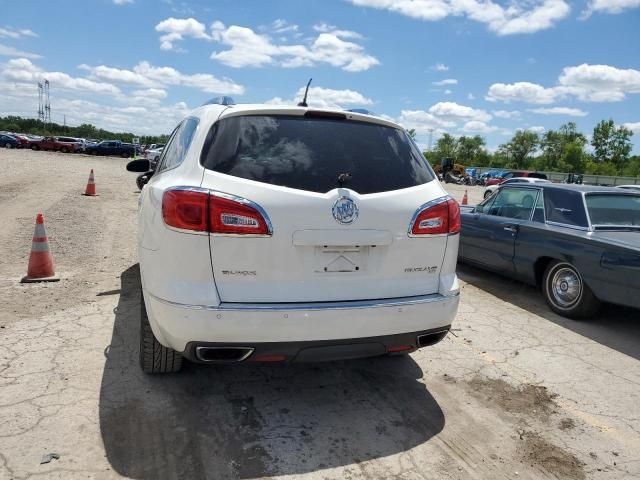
x=141, y=166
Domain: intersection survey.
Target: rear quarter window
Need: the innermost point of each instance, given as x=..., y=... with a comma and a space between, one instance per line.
x=309, y=153
x=566, y=207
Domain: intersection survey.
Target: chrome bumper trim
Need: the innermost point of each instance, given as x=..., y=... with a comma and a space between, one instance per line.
x=349, y=305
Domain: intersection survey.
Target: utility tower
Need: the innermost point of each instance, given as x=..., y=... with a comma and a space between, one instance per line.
x=40, y=102
x=47, y=104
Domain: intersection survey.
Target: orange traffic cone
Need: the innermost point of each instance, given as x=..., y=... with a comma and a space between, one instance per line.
x=91, y=186
x=465, y=200
x=40, y=261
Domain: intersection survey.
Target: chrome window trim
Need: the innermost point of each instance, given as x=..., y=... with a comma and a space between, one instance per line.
x=566, y=225
x=316, y=306
x=424, y=206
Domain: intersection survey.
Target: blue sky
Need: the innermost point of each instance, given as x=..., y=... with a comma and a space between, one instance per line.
x=457, y=66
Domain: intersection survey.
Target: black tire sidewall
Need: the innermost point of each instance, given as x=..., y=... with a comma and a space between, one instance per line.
x=577, y=310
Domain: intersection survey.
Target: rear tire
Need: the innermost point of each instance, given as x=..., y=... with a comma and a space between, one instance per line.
x=8, y=145
x=155, y=357
x=64, y=150
x=35, y=147
x=566, y=292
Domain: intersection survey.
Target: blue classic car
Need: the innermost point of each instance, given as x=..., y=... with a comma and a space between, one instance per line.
x=580, y=244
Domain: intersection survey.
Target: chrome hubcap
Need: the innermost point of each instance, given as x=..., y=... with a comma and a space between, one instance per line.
x=566, y=287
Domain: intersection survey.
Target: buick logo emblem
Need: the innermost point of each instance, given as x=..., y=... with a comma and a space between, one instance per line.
x=345, y=210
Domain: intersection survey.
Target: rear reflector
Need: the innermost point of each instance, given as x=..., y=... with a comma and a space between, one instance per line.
x=441, y=218
x=269, y=358
x=399, y=348
x=204, y=211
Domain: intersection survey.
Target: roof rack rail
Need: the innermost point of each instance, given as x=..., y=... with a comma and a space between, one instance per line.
x=362, y=111
x=224, y=100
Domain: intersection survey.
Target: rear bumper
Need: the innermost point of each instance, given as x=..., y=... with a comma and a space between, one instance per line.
x=178, y=325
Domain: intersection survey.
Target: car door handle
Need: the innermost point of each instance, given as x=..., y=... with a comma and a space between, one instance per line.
x=510, y=228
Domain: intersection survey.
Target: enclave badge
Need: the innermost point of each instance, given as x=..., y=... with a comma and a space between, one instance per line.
x=345, y=210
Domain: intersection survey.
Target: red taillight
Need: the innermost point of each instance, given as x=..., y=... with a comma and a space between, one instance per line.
x=185, y=209
x=443, y=217
x=399, y=348
x=202, y=211
x=230, y=216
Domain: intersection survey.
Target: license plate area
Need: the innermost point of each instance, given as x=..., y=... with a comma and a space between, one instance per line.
x=342, y=260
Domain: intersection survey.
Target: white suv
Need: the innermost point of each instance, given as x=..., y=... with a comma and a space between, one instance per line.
x=275, y=234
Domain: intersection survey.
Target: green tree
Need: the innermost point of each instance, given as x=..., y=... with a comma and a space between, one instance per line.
x=523, y=144
x=611, y=144
x=562, y=150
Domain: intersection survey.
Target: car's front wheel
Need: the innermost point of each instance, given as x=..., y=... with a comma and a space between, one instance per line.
x=8, y=145
x=155, y=357
x=566, y=293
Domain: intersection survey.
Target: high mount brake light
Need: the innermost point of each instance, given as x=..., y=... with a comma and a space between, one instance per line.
x=203, y=211
x=437, y=219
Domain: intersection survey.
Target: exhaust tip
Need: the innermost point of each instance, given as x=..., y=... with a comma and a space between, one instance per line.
x=429, y=339
x=223, y=354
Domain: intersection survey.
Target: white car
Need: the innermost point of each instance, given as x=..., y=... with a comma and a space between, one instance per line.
x=277, y=234
x=153, y=154
x=492, y=188
x=635, y=188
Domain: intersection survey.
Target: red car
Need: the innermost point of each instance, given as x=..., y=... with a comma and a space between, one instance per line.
x=57, y=144
x=508, y=175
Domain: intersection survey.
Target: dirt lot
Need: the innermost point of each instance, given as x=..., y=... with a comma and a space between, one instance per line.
x=513, y=392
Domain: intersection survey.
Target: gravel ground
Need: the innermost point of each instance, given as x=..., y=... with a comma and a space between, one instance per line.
x=514, y=391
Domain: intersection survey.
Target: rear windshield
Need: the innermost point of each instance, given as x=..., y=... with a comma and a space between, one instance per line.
x=310, y=153
x=608, y=209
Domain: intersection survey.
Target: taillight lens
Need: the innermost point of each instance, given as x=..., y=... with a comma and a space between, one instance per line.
x=443, y=217
x=230, y=216
x=201, y=211
x=186, y=209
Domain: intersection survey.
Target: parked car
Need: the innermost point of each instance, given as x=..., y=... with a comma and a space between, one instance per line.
x=630, y=187
x=153, y=155
x=493, y=188
x=112, y=147
x=152, y=146
x=277, y=234
x=9, y=141
x=497, y=180
x=581, y=244
x=56, y=144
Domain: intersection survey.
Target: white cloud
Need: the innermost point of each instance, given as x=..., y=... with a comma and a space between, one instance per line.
x=250, y=49
x=521, y=92
x=282, y=26
x=147, y=75
x=320, y=97
x=471, y=96
x=600, y=83
x=451, y=111
x=447, y=81
x=21, y=70
x=448, y=92
x=506, y=113
x=475, y=126
x=633, y=126
x=151, y=93
x=571, y=112
x=608, y=6
x=122, y=2
x=588, y=83
x=440, y=67
x=519, y=16
x=325, y=28
x=15, y=33
x=535, y=129
x=8, y=51
x=176, y=29
x=422, y=121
